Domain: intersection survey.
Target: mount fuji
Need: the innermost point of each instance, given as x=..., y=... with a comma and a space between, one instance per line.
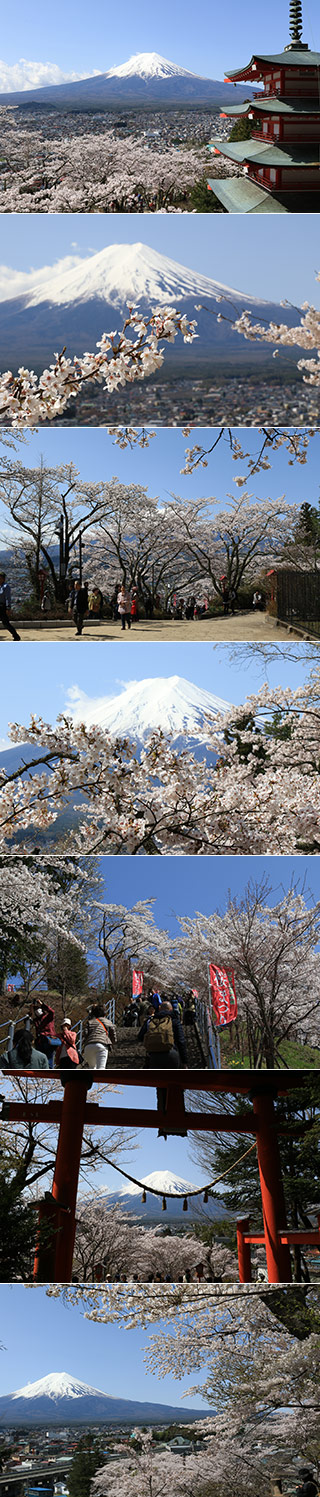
x=62, y=1399
x=170, y=703
x=146, y=79
x=76, y=304
x=130, y=1197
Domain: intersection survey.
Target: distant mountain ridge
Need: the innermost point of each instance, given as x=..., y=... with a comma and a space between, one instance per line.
x=76, y=305
x=59, y=1398
x=146, y=79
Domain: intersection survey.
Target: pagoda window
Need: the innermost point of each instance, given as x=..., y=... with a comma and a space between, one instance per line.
x=265, y=127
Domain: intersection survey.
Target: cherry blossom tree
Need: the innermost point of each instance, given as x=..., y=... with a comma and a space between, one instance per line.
x=222, y=1466
x=34, y=500
x=36, y=907
x=273, y=950
x=93, y=172
x=131, y=936
x=111, y=1239
x=256, y=789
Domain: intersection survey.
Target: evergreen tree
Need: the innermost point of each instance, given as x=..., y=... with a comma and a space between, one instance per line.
x=87, y=1459
x=203, y=199
x=242, y=129
x=299, y=1113
x=17, y=1227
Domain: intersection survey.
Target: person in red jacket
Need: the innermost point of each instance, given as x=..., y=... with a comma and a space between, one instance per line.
x=45, y=1031
x=67, y=1055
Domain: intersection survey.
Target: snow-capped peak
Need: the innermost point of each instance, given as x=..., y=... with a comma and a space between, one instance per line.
x=163, y=1180
x=124, y=273
x=56, y=1385
x=170, y=703
x=149, y=65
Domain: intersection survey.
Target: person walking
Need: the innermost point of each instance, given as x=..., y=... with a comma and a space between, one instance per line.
x=81, y=604
x=5, y=606
x=134, y=607
x=100, y=1035
x=23, y=1056
x=67, y=1055
x=124, y=607
x=163, y=1039
x=46, y=1038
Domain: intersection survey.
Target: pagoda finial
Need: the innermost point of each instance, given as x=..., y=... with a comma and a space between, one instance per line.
x=295, y=21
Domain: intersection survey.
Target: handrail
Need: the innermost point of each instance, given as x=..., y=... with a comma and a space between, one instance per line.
x=209, y=1035
x=8, y=1038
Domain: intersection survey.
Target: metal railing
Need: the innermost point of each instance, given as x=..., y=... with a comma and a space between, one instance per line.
x=208, y=1035
x=298, y=599
x=7, y=1039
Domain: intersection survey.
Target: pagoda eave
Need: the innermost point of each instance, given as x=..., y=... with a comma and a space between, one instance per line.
x=253, y=152
x=241, y=195
x=296, y=108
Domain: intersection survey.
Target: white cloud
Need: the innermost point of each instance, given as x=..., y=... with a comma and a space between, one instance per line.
x=20, y=282
x=23, y=75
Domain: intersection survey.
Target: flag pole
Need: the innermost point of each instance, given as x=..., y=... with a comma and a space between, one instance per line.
x=214, y=1026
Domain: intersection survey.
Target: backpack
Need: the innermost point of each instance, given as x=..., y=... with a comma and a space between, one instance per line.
x=159, y=1034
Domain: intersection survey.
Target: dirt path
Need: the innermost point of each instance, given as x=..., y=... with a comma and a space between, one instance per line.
x=244, y=626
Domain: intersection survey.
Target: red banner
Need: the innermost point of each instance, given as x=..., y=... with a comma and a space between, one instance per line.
x=137, y=983
x=223, y=994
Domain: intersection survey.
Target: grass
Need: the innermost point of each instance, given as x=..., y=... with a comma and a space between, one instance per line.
x=294, y=1056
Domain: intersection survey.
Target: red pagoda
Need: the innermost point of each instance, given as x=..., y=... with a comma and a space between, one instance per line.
x=280, y=163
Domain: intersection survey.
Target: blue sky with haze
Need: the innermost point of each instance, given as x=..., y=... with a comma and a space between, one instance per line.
x=207, y=39
x=46, y=679
x=158, y=466
x=270, y=259
x=42, y=1335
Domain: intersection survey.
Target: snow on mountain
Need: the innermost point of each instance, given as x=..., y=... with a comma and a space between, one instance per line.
x=149, y=65
x=57, y=1385
x=125, y=273
x=162, y=1180
x=174, y=705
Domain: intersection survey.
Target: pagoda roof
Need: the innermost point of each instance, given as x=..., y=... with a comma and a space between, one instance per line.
x=264, y=153
x=239, y=195
x=273, y=105
x=292, y=56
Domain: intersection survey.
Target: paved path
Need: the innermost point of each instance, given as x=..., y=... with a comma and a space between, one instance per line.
x=128, y=1054
x=244, y=626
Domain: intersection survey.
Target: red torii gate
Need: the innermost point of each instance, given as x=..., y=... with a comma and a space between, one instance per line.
x=54, y=1253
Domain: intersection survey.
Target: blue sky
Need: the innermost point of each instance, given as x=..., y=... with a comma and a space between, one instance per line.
x=203, y=884
x=41, y=1335
x=39, y=677
x=207, y=39
x=158, y=466
x=270, y=259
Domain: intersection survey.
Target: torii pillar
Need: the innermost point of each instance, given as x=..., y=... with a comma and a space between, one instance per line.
x=272, y=1191
x=58, y=1212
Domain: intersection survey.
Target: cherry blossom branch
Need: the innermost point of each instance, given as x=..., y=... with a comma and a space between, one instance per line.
x=26, y=399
